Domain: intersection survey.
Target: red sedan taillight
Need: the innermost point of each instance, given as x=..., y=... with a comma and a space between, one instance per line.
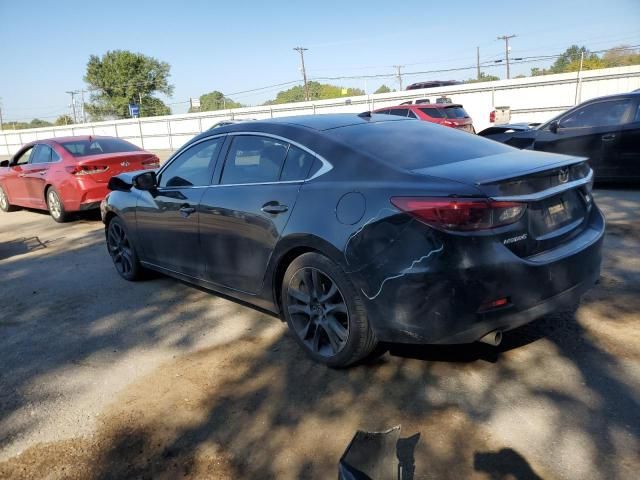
x=87, y=169
x=459, y=213
x=492, y=116
x=449, y=123
x=153, y=162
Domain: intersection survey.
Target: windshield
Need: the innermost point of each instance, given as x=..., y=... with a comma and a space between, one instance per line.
x=98, y=146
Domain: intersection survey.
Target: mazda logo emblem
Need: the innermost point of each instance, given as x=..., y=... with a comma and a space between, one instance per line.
x=126, y=164
x=563, y=176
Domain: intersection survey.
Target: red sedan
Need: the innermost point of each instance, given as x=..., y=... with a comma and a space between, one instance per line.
x=64, y=175
x=448, y=114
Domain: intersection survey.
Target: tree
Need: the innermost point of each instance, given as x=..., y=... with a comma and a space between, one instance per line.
x=37, y=123
x=63, y=120
x=621, y=56
x=483, y=78
x=383, y=89
x=215, y=101
x=317, y=91
x=121, y=77
x=569, y=61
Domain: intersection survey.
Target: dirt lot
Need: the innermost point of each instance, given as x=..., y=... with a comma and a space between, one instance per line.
x=102, y=378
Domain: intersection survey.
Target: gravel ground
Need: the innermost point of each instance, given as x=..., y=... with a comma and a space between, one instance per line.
x=102, y=378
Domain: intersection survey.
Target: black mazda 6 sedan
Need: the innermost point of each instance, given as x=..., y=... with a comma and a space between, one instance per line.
x=359, y=229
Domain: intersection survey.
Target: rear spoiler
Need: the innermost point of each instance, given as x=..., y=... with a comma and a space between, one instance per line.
x=562, y=163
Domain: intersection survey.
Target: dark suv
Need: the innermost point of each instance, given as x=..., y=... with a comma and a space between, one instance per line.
x=605, y=129
x=448, y=114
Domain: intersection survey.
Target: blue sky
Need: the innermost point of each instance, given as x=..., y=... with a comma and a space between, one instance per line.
x=241, y=45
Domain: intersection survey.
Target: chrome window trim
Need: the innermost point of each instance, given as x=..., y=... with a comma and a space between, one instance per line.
x=534, y=197
x=326, y=165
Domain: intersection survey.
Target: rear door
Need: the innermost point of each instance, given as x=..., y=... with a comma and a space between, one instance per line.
x=14, y=181
x=244, y=215
x=167, y=218
x=35, y=176
x=591, y=131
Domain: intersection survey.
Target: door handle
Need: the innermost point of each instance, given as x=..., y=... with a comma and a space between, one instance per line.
x=274, y=208
x=186, y=210
x=43, y=173
x=608, y=137
x=22, y=174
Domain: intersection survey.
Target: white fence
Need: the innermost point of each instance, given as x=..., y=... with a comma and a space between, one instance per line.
x=530, y=99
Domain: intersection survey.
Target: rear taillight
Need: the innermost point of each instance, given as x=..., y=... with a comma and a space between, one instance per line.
x=87, y=169
x=449, y=123
x=153, y=162
x=459, y=213
x=492, y=116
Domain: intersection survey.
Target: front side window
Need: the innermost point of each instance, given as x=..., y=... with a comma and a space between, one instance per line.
x=599, y=114
x=400, y=112
x=254, y=159
x=194, y=166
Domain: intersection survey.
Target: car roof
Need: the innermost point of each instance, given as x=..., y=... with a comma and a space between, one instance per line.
x=422, y=105
x=318, y=122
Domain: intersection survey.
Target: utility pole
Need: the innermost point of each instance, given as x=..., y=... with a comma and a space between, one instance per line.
x=73, y=105
x=1, y=127
x=399, y=74
x=301, y=51
x=84, y=113
x=478, y=61
x=506, y=50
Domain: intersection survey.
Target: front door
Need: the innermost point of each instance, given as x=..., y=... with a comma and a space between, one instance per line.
x=244, y=216
x=35, y=175
x=167, y=218
x=14, y=182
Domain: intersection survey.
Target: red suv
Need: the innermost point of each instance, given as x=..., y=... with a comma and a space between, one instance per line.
x=63, y=175
x=448, y=114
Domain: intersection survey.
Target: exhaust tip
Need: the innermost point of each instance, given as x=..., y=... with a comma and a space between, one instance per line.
x=492, y=338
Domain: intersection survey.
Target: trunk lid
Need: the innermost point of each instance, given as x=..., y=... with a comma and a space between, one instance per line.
x=555, y=188
x=102, y=167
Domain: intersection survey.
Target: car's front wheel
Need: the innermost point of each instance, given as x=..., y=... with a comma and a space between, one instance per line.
x=122, y=251
x=5, y=206
x=325, y=311
x=55, y=206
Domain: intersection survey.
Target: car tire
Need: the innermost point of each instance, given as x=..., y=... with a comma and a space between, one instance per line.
x=5, y=206
x=55, y=206
x=328, y=319
x=122, y=251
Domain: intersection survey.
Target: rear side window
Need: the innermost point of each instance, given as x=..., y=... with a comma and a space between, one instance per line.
x=455, y=112
x=297, y=164
x=416, y=145
x=254, y=159
x=98, y=146
x=44, y=154
x=383, y=112
x=432, y=112
x=400, y=112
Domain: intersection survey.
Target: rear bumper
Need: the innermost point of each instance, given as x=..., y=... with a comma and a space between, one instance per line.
x=440, y=302
x=84, y=195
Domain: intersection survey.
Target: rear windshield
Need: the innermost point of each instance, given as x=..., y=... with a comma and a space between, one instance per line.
x=98, y=146
x=414, y=145
x=432, y=112
x=455, y=112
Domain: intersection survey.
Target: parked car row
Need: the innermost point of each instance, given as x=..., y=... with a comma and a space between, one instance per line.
x=65, y=175
x=355, y=229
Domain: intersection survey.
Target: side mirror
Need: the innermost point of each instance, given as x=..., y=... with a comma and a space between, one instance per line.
x=4, y=163
x=145, y=181
x=553, y=126
x=118, y=184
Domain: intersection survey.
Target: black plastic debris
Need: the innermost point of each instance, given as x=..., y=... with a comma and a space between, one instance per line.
x=370, y=456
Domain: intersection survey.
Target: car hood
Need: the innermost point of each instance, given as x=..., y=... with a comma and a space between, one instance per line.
x=494, y=168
